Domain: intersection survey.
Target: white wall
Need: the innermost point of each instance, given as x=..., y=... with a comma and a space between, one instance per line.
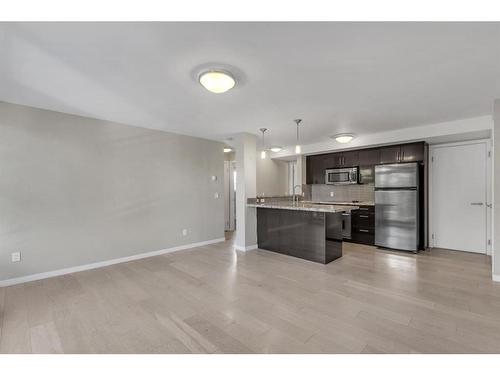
x=450, y=131
x=272, y=177
x=496, y=191
x=75, y=190
x=246, y=217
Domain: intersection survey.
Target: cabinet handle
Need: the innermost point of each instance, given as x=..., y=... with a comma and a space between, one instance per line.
x=363, y=209
x=364, y=230
x=399, y=154
x=366, y=216
x=403, y=158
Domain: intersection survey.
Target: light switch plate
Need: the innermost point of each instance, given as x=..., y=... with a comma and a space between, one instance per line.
x=214, y=178
x=331, y=194
x=184, y=232
x=15, y=257
x=216, y=195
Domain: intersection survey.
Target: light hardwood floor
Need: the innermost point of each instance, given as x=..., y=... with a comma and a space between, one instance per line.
x=215, y=300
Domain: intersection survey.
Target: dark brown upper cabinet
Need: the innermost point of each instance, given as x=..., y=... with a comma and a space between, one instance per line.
x=412, y=152
x=315, y=169
x=342, y=159
x=369, y=156
x=402, y=153
x=351, y=158
x=390, y=154
x=316, y=164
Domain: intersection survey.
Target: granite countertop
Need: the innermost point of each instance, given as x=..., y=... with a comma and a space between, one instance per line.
x=362, y=203
x=305, y=206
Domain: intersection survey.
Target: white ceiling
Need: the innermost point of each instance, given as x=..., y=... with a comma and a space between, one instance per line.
x=355, y=77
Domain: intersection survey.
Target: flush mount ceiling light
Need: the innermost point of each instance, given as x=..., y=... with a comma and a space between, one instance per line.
x=276, y=148
x=344, y=137
x=217, y=81
x=227, y=149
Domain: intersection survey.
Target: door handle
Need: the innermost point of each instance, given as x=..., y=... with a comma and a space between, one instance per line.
x=477, y=204
x=489, y=205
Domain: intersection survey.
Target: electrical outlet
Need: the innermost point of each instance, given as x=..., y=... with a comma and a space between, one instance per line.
x=184, y=232
x=216, y=195
x=331, y=194
x=15, y=257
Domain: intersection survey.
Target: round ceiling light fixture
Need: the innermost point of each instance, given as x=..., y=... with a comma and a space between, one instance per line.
x=276, y=148
x=217, y=81
x=344, y=137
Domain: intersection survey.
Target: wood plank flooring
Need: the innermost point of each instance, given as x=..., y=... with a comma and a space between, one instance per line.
x=213, y=299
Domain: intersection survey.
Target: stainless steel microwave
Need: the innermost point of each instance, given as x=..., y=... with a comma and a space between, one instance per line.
x=341, y=176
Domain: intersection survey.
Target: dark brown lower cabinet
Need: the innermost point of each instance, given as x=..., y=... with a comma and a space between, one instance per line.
x=314, y=236
x=363, y=225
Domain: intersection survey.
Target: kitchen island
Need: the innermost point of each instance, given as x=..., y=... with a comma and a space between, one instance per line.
x=303, y=230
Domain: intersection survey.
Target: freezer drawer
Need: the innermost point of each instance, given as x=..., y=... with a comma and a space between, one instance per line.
x=396, y=219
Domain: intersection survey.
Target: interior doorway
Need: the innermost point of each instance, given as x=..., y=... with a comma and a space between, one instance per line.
x=460, y=196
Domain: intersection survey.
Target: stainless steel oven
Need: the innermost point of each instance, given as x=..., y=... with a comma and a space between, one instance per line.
x=341, y=176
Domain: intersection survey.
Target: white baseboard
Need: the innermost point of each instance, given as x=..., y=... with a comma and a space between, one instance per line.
x=496, y=278
x=104, y=263
x=245, y=248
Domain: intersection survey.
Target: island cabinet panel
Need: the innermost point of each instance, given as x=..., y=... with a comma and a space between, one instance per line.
x=303, y=234
x=298, y=233
x=269, y=237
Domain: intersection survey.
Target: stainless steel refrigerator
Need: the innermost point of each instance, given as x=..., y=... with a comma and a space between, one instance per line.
x=397, y=206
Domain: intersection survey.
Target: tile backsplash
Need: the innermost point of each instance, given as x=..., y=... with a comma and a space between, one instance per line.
x=342, y=193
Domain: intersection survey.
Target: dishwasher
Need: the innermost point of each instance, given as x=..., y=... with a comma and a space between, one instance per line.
x=346, y=225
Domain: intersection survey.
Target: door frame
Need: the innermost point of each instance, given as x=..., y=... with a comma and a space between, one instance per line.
x=489, y=188
x=229, y=196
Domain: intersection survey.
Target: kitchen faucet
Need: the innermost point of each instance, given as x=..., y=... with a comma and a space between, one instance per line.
x=295, y=196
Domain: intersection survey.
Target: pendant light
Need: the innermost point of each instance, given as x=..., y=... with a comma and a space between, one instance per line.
x=298, y=149
x=263, y=153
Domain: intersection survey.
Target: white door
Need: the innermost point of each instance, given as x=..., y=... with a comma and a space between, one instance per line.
x=459, y=197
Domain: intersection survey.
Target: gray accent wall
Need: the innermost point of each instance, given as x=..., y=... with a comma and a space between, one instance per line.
x=342, y=193
x=76, y=190
x=496, y=190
